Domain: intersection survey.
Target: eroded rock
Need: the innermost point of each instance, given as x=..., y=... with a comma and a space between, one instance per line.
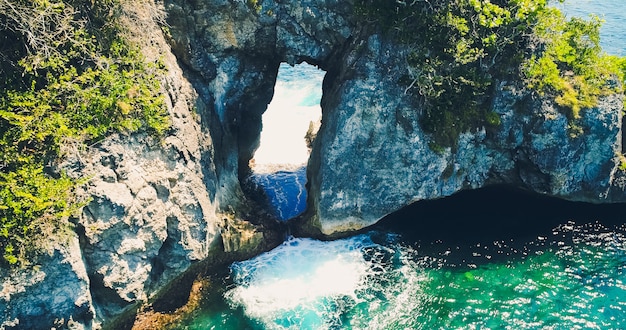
x=156, y=206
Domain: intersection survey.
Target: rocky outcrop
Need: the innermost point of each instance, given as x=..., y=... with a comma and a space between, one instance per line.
x=53, y=294
x=371, y=156
x=149, y=217
x=368, y=118
x=156, y=207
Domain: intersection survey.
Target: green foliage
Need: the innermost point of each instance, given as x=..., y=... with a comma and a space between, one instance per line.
x=72, y=79
x=33, y=204
x=622, y=162
x=458, y=48
x=255, y=5
x=571, y=65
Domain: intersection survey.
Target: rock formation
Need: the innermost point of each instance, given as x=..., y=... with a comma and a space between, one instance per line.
x=371, y=156
x=367, y=118
x=157, y=207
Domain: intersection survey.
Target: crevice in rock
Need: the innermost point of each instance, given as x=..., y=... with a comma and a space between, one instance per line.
x=275, y=176
x=623, y=136
x=105, y=299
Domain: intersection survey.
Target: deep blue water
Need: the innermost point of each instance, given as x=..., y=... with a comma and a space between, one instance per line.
x=284, y=191
x=501, y=261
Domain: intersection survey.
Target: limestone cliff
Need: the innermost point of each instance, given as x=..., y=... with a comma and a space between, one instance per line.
x=371, y=156
x=155, y=207
x=158, y=207
x=367, y=117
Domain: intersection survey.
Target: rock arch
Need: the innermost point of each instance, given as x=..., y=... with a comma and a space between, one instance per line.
x=371, y=156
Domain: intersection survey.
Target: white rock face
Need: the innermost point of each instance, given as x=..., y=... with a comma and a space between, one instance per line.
x=142, y=194
x=54, y=292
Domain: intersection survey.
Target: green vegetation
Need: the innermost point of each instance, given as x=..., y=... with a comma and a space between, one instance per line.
x=460, y=48
x=571, y=66
x=255, y=5
x=67, y=76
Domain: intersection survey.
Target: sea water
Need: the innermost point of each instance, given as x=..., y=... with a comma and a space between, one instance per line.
x=612, y=12
x=557, y=268
x=279, y=164
x=577, y=281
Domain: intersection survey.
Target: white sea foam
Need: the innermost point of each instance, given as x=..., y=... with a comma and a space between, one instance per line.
x=298, y=278
x=309, y=284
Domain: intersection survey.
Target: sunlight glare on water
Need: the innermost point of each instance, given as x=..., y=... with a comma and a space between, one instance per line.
x=279, y=164
x=296, y=278
x=296, y=103
x=576, y=281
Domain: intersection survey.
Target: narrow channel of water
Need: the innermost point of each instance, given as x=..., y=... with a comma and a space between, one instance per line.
x=279, y=165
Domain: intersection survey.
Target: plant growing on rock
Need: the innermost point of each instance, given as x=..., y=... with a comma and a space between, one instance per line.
x=68, y=76
x=570, y=65
x=457, y=49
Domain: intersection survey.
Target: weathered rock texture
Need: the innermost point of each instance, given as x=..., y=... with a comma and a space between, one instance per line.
x=371, y=156
x=158, y=206
x=368, y=118
x=155, y=206
x=56, y=294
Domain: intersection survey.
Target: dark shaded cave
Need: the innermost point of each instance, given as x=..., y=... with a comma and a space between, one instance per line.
x=500, y=213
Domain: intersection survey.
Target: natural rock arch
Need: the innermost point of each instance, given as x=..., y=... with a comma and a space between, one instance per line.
x=158, y=208
x=371, y=157
x=232, y=50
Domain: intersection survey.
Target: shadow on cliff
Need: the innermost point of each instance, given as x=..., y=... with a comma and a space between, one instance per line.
x=470, y=221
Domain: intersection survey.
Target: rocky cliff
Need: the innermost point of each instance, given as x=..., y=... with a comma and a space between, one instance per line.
x=371, y=156
x=155, y=206
x=368, y=117
x=158, y=207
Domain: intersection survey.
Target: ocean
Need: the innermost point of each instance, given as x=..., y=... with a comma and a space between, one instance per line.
x=504, y=260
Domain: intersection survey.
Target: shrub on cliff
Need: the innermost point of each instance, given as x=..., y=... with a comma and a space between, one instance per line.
x=570, y=65
x=66, y=77
x=459, y=48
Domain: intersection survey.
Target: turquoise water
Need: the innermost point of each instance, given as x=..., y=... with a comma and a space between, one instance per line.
x=499, y=262
x=577, y=282
x=502, y=260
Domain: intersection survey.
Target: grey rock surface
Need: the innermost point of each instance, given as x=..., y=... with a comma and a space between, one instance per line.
x=371, y=157
x=54, y=293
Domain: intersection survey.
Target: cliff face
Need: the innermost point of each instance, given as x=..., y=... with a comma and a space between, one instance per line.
x=371, y=156
x=155, y=207
x=158, y=207
x=368, y=118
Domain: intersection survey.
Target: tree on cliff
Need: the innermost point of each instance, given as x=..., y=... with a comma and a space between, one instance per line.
x=68, y=77
x=460, y=48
